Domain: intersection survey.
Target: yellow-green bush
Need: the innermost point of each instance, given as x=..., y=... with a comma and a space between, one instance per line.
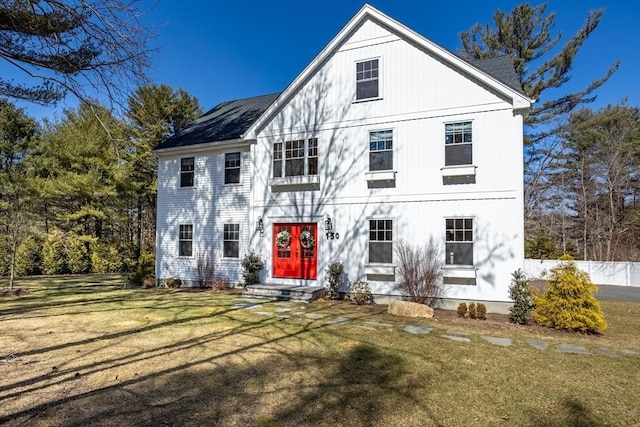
x=569, y=303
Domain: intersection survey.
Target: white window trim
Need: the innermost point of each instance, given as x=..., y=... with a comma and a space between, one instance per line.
x=224, y=169
x=380, y=80
x=461, y=268
x=191, y=187
x=193, y=240
x=375, y=266
x=239, y=241
x=459, y=170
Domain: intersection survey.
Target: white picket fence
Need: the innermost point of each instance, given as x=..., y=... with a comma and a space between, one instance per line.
x=601, y=272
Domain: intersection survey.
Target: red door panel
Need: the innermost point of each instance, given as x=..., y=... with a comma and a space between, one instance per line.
x=291, y=259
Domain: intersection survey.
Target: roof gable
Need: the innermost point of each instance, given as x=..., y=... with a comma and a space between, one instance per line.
x=491, y=72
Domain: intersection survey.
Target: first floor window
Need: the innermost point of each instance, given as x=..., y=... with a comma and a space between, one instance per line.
x=295, y=158
x=458, y=144
x=232, y=168
x=459, y=241
x=381, y=241
x=367, y=74
x=381, y=150
x=231, y=240
x=187, y=167
x=185, y=240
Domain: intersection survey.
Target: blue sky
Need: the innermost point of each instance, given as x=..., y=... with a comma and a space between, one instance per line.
x=223, y=50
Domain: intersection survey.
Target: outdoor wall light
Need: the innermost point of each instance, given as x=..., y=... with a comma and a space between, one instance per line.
x=260, y=226
x=328, y=224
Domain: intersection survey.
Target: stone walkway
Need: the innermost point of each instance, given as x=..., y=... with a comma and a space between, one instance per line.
x=290, y=309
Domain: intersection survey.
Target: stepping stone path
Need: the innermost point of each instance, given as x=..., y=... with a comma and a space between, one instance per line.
x=572, y=348
x=456, y=338
x=417, y=330
x=505, y=342
x=288, y=309
x=607, y=352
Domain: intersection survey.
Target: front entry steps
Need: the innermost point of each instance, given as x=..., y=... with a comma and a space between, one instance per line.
x=284, y=292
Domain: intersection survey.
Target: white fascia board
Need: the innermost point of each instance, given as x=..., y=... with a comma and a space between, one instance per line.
x=520, y=102
x=207, y=146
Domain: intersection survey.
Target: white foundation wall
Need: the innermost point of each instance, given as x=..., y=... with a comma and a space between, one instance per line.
x=208, y=205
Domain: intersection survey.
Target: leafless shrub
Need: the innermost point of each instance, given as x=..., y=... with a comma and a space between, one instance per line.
x=420, y=271
x=220, y=284
x=205, y=270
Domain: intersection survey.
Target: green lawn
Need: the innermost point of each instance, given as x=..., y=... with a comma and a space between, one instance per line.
x=86, y=351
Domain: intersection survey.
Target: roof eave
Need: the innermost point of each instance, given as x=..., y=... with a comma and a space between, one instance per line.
x=205, y=146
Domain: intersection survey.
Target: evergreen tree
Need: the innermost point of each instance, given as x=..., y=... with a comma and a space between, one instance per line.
x=569, y=303
x=16, y=135
x=154, y=114
x=72, y=45
x=525, y=34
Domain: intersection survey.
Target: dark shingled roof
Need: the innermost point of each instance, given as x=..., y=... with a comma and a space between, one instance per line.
x=230, y=120
x=500, y=67
x=226, y=121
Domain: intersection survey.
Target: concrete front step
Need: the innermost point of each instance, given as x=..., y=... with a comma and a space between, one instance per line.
x=284, y=292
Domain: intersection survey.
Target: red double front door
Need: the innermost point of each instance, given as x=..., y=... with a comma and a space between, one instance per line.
x=295, y=258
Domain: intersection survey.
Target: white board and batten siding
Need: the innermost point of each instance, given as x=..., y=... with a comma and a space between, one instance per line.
x=208, y=205
x=422, y=88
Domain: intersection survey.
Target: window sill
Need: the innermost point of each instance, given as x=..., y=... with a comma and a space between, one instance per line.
x=187, y=187
x=460, y=271
x=294, y=180
x=380, y=269
x=464, y=170
x=380, y=176
x=358, y=101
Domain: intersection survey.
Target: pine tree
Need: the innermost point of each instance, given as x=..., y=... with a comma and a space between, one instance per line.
x=72, y=46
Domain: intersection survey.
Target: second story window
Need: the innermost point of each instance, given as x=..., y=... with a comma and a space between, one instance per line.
x=458, y=144
x=295, y=158
x=367, y=77
x=232, y=168
x=187, y=168
x=381, y=150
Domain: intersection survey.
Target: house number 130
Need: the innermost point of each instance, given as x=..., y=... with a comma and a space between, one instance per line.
x=331, y=235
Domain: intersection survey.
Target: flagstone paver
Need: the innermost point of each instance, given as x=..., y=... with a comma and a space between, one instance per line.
x=337, y=320
x=417, y=329
x=297, y=313
x=505, y=342
x=455, y=332
x=283, y=309
x=246, y=306
x=540, y=345
x=456, y=338
x=572, y=348
x=314, y=316
x=607, y=352
x=380, y=325
x=631, y=352
x=264, y=313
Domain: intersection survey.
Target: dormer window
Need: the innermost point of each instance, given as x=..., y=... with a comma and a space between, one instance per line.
x=367, y=78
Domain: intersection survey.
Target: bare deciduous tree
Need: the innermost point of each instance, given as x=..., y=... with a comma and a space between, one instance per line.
x=420, y=271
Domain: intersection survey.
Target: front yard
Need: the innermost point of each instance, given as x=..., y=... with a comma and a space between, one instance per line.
x=86, y=351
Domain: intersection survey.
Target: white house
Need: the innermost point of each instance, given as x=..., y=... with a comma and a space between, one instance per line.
x=384, y=136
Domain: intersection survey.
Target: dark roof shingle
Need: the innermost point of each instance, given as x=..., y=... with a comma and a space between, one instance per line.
x=500, y=67
x=226, y=121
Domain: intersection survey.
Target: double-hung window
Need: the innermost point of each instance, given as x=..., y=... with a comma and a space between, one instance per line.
x=458, y=144
x=232, y=168
x=187, y=168
x=459, y=241
x=295, y=158
x=231, y=241
x=367, y=79
x=381, y=150
x=185, y=240
x=381, y=241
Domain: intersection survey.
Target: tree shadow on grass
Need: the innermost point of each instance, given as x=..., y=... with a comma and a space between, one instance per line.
x=363, y=386
x=574, y=414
